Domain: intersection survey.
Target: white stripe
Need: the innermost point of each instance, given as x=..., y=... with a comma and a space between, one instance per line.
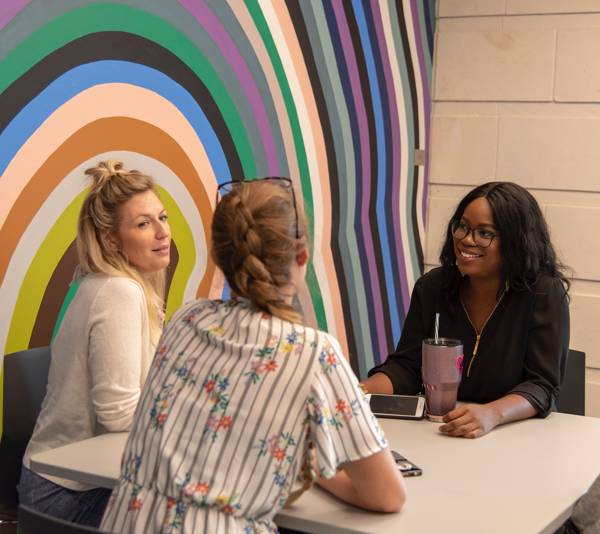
x=311, y=156
x=54, y=206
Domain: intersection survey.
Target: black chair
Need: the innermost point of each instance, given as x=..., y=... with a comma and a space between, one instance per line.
x=571, y=398
x=33, y=522
x=25, y=380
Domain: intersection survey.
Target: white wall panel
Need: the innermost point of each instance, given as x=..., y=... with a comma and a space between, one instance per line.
x=470, y=8
x=495, y=65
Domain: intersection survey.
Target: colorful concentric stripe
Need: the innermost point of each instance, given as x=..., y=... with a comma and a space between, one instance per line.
x=333, y=94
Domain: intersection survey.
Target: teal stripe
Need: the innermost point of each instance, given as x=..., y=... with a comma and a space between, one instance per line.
x=65, y=305
x=322, y=46
x=311, y=277
x=408, y=160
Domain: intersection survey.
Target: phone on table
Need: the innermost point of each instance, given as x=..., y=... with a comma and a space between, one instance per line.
x=406, y=467
x=398, y=406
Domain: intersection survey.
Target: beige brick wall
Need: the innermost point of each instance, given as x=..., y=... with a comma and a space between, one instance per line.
x=516, y=90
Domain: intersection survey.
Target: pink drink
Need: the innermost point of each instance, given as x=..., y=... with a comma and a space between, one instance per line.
x=442, y=371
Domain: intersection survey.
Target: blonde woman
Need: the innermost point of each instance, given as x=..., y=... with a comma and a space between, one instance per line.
x=242, y=397
x=103, y=349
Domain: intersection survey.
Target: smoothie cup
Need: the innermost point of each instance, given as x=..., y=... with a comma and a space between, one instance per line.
x=442, y=371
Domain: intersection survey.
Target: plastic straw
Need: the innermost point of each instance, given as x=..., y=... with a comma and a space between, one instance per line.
x=437, y=327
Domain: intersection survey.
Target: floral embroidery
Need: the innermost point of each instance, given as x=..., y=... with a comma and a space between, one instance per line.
x=189, y=318
x=327, y=358
x=227, y=505
x=346, y=409
x=319, y=412
x=174, y=514
x=215, y=385
x=294, y=342
x=194, y=492
x=162, y=358
x=131, y=470
x=181, y=370
x=162, y=401
x=343, y=411
x=135, y=503
x=160, y=406
x=263, y=361
x=217, y=331
x=278, y=446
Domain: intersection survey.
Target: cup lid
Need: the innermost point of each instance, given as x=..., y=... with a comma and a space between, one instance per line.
x=442, y=342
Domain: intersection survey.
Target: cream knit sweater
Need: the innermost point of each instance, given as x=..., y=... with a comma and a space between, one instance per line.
x=100, y=359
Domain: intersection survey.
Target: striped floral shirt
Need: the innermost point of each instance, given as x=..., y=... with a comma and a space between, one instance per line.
x=232, y=403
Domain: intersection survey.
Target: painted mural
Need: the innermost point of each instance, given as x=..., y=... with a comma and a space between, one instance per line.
x=334, y=94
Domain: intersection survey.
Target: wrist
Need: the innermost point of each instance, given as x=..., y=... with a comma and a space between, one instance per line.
x=497, y=416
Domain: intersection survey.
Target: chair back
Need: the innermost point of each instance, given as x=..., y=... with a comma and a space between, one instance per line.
x=571, y=398
x=33, y=522
x=25, y=381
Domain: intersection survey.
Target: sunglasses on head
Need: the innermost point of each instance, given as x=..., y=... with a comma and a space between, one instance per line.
x=227, y=187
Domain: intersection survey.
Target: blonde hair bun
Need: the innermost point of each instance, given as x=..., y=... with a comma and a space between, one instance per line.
x=104, y=171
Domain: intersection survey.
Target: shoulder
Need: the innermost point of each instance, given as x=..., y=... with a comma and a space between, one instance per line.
x=325, y=343
x=114, y=300
x=195, y=307
x=121, y=288
x=549, y=292
x=547, y=286
x=432, y=281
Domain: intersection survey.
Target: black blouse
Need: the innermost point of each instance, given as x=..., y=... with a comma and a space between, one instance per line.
x=522, y=349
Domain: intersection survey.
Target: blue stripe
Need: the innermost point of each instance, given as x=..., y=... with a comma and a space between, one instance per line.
x=82, y=77
x=381, y=165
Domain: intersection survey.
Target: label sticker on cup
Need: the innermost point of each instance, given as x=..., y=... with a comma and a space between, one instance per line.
x=459, y=363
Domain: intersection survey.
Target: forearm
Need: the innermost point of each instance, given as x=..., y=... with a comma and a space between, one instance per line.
x=511, y=407
x=341, y=486
x=475, y=420
x=373, y=483
x=378, y=383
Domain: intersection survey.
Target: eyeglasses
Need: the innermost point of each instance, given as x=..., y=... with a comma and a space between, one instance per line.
x=481, y=237
x=227, y=187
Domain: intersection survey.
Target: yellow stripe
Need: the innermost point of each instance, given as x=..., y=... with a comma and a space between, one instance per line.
x=54, y=246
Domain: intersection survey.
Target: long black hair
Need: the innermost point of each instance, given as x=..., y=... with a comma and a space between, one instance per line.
x=525, y=245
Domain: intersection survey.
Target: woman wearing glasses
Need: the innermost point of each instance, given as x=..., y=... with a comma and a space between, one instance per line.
x=242, y=397
x=500, y=290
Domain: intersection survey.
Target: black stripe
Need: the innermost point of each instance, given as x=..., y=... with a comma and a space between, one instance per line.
x=117, y=46
x=334, y=179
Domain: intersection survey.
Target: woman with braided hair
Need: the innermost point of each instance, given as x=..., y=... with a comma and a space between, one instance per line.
x=103, y=348
x=242, y=398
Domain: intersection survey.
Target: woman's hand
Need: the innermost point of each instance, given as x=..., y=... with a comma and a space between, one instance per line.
x=471, y=420
x=475, y=420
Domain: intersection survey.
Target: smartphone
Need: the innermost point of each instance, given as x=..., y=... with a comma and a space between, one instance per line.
x=406, y=467
x=398, y=406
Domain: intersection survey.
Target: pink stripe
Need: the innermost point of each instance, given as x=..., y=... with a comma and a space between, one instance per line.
x=212, y=25
x=9, y=9
x=365, y=173
x=396, y=155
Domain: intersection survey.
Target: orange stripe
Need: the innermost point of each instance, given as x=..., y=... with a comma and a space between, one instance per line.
x=103, y=135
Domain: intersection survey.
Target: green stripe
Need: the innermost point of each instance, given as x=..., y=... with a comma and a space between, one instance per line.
x=263, y=29
x=118, y=17
x=340, y=124
x=65, y=305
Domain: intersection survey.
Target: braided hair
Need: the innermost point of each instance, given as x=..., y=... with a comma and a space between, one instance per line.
x=254, y=244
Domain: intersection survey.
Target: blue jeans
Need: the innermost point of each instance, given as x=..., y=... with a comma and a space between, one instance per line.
x=84, y=507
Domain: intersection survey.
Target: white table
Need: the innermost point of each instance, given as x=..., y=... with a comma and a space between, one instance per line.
x=523, y=477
